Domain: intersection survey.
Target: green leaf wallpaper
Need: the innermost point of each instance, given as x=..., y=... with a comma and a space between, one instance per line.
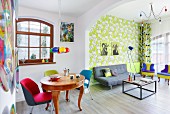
x=113, y=30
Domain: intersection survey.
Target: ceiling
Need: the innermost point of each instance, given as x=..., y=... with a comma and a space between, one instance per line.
x=131, y=10
x=68, y=7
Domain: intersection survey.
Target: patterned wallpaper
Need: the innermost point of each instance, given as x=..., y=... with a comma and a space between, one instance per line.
x=112, y=30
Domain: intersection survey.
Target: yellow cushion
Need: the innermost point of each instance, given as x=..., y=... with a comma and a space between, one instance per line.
x=107, y=72
x=148, y=66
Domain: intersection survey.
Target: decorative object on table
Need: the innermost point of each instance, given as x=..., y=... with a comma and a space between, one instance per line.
x=114, y=47
x=59, y=50
x=71, y=77
x=66, y=72
x=131, y=62
x=156, y=16
x=54, y=78
x=148, y=70
x=66, y=32
x=77, y=75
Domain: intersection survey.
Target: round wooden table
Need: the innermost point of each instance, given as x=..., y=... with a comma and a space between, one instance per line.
x=63, y=84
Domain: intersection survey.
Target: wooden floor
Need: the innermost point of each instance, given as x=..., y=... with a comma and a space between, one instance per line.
x=108, y=101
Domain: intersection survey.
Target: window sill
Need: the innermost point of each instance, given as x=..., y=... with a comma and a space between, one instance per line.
x=27, y=64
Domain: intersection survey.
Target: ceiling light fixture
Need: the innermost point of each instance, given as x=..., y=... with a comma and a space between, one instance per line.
x=157, y=17
x=59, y=11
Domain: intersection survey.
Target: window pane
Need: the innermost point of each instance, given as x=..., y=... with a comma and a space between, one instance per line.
x=45, y=29
x=34, y=41
x=45, y=53
x=34, y=27
x=168, y=38
x=22, y=53
x=22, y=26
x=45, y=41
x=22, y=40
x=34, y=53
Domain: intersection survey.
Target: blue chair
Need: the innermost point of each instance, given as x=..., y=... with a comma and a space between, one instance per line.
x=148, y=70
x=87, y=74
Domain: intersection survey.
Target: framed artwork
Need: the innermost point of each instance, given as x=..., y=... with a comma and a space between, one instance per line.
x=105, y=48
x=66, y=32
x=115, y=48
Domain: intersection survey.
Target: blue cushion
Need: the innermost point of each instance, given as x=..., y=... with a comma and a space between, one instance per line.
x=161, y=73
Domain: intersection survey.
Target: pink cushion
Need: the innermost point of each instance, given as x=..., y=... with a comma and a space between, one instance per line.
x=42, y=97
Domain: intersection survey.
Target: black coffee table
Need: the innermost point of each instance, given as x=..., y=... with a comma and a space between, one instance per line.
x=139, y=85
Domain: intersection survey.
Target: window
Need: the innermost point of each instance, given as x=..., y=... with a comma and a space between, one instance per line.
x=34, y=38
x=160, y=53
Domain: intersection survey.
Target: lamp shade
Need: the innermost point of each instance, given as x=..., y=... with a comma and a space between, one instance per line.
x=130, y=48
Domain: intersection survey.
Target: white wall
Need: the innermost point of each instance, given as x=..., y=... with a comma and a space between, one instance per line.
x=6, y=100
x=162, y=28
x=69, y=60
x=78, y=58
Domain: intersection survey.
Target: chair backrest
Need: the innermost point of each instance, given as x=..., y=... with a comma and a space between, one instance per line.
x=50, y=72
x=147, y=66
x=87, y=74
x=30, y=88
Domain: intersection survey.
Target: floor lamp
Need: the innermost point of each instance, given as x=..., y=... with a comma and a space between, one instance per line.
x=130, y=48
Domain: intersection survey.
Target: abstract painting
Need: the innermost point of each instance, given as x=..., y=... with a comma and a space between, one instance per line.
x=66, y=32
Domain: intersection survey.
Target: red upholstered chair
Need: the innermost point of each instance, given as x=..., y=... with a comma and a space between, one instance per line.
x=32, y=93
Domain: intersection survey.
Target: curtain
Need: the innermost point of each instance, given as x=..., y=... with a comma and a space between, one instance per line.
x=144, y=43
x=160, y=55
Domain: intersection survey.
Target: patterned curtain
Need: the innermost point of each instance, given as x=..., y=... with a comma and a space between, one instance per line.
x=144, y=43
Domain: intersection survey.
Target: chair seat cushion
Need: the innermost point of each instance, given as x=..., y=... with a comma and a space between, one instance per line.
x=43, y=97
x=148, y=71
x=162, y=73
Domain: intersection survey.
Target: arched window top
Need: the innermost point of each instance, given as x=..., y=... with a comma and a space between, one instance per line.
x=34, y=38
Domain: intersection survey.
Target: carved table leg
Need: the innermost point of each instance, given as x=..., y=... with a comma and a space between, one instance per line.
x=56, y=95
x=152, y=77
x=80, y=96
x=168, y=81
x=158, y=79
x=67, y=99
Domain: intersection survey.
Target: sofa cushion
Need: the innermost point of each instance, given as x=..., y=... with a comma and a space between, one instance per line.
x=106, y=72
x=119, y=68
x=107, y=81
x=114, y=72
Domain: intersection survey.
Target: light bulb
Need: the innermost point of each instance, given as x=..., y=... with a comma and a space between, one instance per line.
x=159, y=21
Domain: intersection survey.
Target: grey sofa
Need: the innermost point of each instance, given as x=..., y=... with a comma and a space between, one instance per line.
x=120, y=69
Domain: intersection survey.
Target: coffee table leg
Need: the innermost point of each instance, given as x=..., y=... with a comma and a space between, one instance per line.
x=80, y=96
x=140, y=92
x=123, y=87
x=56, y=95
x=155, y=86
x=67, y=99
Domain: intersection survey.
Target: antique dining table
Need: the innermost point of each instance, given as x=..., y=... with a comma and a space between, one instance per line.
x=63, y=84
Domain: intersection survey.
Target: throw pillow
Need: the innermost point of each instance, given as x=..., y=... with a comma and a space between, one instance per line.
x=114, y=73
x=106, y=72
